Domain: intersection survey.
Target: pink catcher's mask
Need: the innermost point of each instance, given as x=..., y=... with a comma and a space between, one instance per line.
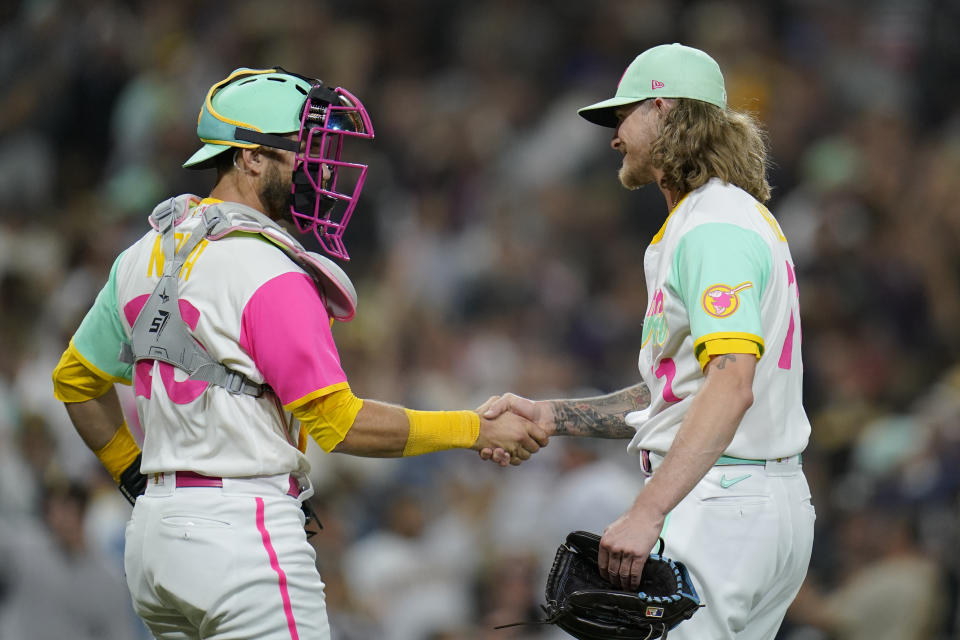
x=325, y=188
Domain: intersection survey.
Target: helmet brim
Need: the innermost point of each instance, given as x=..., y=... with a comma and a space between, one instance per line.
x=203, y=158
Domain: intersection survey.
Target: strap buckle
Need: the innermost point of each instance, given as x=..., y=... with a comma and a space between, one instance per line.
x=234, y=382
x=238, y=384
x=163, y=215
x=212, y=220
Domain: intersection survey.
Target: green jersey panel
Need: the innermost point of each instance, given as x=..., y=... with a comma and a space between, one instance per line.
x=100, y=335
x=720, y=272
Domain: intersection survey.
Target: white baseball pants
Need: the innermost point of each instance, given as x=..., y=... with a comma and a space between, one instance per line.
x=745, y=533
x=223, y=563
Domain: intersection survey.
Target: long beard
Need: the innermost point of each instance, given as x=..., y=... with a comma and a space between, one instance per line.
x=275, y=194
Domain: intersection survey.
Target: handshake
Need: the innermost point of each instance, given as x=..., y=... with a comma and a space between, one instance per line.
x=513, y=428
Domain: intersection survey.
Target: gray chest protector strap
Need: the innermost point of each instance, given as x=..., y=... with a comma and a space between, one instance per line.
x=160, y=333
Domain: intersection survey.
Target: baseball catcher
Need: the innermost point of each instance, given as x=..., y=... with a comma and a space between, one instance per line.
x=221, y=320
x=584, y=604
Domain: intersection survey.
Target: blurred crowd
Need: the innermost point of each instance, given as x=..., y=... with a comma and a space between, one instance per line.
x=494, y=250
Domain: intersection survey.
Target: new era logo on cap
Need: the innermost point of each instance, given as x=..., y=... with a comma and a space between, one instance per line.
x=655, y=84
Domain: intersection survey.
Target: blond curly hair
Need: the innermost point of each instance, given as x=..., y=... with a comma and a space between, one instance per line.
x=699, y=141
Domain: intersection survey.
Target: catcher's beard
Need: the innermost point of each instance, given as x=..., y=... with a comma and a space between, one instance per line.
x=275, y=193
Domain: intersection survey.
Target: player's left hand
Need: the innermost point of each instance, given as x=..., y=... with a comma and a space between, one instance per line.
x=626, y=543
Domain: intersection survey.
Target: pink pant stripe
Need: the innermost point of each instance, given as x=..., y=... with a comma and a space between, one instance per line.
x=275, y=564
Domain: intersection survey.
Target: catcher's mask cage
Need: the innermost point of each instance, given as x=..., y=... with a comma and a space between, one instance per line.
x=325, y=188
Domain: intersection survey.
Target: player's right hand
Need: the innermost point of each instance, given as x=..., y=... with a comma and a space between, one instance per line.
x=538, y=412
x=512, y=434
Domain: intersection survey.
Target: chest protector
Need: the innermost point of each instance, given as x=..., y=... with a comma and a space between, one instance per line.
x=160, y=333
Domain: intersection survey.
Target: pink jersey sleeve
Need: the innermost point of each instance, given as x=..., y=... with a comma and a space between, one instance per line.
x=286, y=330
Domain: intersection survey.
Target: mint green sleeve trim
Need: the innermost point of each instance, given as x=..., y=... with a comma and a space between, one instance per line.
x=720, y=271
x=101, y=333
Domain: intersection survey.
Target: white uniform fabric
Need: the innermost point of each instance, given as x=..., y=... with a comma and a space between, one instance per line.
x=718, y=238
x=745, y=532
x=253, y=309
x=230, y=562
x=251, y=437
x=720, y=269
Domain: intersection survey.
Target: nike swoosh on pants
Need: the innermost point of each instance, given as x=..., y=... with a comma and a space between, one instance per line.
x=726, y=484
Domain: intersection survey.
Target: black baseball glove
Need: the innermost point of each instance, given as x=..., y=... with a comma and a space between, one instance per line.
x=132, y=482
x=584, y=604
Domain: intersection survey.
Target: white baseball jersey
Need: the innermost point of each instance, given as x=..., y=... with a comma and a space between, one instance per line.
x=253, y=309
x=720, y=269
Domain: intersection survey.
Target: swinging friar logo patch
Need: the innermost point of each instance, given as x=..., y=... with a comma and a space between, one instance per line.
x=721, y=300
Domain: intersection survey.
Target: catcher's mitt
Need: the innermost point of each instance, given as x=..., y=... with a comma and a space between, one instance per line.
x=584, y=604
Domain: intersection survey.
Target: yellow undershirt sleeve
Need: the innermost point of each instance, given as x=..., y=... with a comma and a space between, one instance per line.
x=328, y=418
x=721, y=346
x=75, y=381
x=439, y=430
x=119, y=453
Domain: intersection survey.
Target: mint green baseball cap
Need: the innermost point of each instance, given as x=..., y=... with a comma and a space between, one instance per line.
x=258, y=100
x=665, y=71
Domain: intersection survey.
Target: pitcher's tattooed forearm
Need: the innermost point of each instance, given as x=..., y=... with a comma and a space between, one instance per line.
x=602, y=416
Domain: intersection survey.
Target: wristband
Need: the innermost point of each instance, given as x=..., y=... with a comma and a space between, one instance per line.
x=439, y=430
x=118, y=454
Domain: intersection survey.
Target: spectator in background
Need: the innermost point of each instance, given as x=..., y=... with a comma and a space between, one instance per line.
x=54, y=585
x=27, y=465
x=896, y=592
x=404, y=575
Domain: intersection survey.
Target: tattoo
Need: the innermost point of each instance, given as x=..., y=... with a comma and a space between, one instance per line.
x=724, y=359
x=602, y=416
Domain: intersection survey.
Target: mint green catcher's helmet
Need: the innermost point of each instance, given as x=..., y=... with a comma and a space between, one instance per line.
x=262, y=107
x=261, y=100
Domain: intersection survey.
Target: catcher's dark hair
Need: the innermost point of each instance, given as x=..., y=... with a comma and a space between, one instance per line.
x=226, y=160
x=223, y=162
